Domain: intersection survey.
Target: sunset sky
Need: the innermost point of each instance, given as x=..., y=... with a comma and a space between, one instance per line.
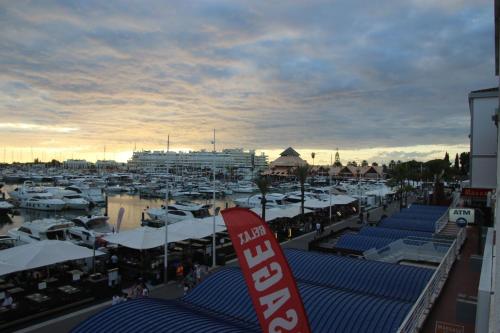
x=379, y=80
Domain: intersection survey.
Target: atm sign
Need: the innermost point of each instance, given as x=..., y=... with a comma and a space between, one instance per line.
x=462, y=216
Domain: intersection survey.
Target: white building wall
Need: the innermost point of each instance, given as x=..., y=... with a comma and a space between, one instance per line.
x=156, y=161
x=483, y=139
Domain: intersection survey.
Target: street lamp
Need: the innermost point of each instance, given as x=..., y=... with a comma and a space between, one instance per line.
x=213, y=205
x=165, y=261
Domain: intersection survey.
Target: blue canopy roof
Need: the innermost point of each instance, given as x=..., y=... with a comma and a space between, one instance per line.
x=221, y=304
x=409, y=224
x=328, y=309
x=404, y=283
x=156, y=315
x=360, y=243
x=392, y=233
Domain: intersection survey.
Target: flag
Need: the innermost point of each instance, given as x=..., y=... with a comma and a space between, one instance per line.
x=270, y=282
x=119, y=219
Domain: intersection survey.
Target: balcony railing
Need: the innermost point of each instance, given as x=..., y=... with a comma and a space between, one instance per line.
x=418, y=313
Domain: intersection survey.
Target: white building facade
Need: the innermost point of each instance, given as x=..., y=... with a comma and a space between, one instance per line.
x=483, y=138
x=157, y=161
x=76, y=164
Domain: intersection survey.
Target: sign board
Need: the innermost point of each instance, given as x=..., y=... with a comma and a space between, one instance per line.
x=462, y=216
x=269, y=279
x=476, y=192
x=444, y=327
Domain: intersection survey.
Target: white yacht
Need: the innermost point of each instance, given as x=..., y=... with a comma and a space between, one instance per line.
x=272, y=200
x=118, y=189
x=37, y=230
x=75, y=201
x=322, y=193
x=244, y=189
x=43, y=202
x=72, y=199
x=89, y=228
x=91, y=194
x=5, y=207
x=6, y=242
x=26, y=191
x=179, y=211
x=294, y=197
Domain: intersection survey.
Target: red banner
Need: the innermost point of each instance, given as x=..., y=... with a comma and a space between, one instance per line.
x=269, y=279
x=476, y=192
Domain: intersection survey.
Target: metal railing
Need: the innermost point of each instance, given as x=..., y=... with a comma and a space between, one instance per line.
x=411, y=248
x=443, y=220
x=418, y=313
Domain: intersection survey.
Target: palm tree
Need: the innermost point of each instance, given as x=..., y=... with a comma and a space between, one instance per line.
x=399, y=176
x=302, y=172
x=263, y=183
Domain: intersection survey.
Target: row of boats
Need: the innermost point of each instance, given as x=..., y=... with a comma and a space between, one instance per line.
x=53, y=198
x=81, y=230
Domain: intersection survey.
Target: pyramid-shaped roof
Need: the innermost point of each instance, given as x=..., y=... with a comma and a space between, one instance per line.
x=290, y=152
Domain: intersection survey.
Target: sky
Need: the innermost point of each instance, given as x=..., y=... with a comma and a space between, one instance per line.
x=379, y=80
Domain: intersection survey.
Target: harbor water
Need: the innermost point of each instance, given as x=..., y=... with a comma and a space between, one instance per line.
x=134, y=207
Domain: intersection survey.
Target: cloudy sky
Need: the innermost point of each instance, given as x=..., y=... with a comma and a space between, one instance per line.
x=379, y=80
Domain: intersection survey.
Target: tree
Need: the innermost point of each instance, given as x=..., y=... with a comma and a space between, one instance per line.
x=435, y=168
x=352, y=163
x=53, y=163
x=364, y=163
x=313, y=155
x=392, y=164
x=447, y=159
x=374, y=164
x=302, y=172
x=399, y=176
x=263, y=183
x=456, y=166
x=464, y=163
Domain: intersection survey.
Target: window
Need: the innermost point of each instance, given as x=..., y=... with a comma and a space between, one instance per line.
x=25, y=230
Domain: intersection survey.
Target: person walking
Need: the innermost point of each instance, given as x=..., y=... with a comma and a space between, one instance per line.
x=197, y=272
x=179, y=273
x=318, y=228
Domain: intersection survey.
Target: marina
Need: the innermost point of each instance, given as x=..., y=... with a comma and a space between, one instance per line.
x=246, y=167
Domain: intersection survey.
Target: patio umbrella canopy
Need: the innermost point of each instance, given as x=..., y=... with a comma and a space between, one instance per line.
x=39, y=254
x=342, y=199
x=195, y=228
x=144, y=238
x=279, y=212
x=141, y=238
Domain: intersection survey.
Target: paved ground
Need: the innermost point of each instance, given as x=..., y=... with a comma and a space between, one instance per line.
x=66, y=322
x=462, y=279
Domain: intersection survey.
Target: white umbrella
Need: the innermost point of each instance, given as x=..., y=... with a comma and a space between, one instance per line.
x=342, y=199
x=39, y=254
x=144, y=238
x=196, y=228
x=314, y=204
x=141, y=238
x=278, y=212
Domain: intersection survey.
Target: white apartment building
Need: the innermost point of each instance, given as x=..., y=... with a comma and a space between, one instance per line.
x=156, y=161
x=108, y=164
x=76, y=164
